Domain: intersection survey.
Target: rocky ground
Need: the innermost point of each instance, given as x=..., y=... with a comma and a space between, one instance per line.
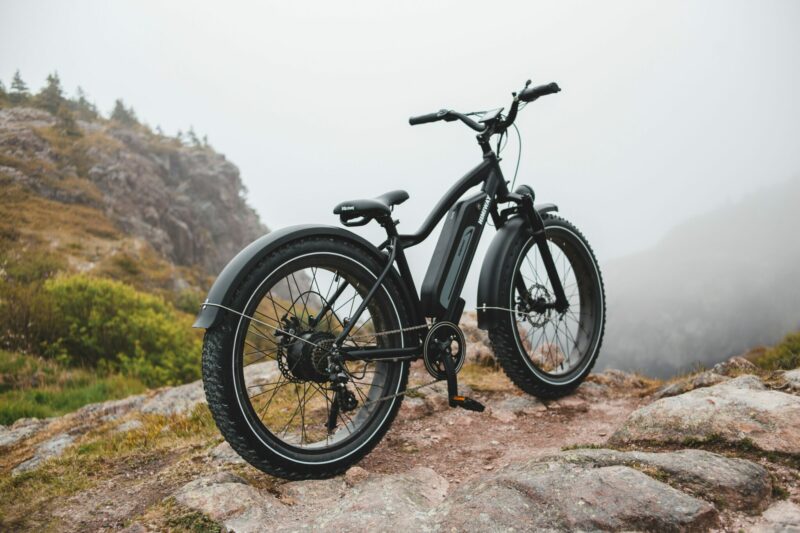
x=718, y=450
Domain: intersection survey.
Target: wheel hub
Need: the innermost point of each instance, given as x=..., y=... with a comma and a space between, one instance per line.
x=307, y=359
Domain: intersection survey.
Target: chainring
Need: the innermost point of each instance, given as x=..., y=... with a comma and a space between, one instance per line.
x=444, y=339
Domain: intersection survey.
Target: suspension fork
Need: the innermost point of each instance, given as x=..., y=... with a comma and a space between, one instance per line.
x=536, y=225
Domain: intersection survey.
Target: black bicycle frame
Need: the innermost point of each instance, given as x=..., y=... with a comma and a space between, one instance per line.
x=494, y=187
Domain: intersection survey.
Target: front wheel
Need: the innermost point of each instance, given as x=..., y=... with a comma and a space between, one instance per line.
x=548, y=353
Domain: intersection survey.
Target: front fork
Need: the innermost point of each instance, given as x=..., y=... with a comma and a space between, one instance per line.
x=536, y=224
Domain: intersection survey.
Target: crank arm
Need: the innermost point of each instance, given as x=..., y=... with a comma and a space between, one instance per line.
x=453, y=398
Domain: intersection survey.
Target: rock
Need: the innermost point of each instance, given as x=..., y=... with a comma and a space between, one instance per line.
x=175, y=400
x=400, y=501
x=111, y=410
x=592, y=391
x=518, y=405
x=225, y=455
x=21, y=429
x=49, y=449
x=781, y=517
x=570, y=403
x=355, y=475
x=704, y=379
x=413, y=408
x=559, y=496
x=734, y=366
x=228, y=499
x=739, y=409
x=129, y=425
x=617, y=379
x=479, y=348
x=792, y=378
x=730, y=483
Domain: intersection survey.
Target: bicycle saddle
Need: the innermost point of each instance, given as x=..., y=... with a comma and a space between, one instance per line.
x=370, y=208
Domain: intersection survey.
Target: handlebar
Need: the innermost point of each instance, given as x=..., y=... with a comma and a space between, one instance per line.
x=430, y=117
x=526, y=95
x=447, y=115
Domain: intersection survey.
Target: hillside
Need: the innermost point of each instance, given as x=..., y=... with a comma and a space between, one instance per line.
x=110, y=235
x=116, y=199
x=713, y=287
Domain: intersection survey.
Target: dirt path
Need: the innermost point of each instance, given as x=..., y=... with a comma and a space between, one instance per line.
x=460, y=444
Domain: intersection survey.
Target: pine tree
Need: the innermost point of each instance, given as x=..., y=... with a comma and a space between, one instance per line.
x=193, y=137
x=3, y=94
x=205, y=142
x=179, y=136
x=51, y=96
x=159, y=131
x=66, y=121
x=19, y=89
x=123, y=115
x=86, y=109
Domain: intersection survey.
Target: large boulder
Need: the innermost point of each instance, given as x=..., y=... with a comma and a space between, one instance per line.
x=728, y=482
x=228, y=499
x=739, y=410
x=561, y=496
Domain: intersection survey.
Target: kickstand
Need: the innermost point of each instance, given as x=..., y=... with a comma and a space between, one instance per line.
x=452, y=389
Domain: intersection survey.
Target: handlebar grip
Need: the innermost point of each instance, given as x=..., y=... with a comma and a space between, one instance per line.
x=430, y=117
x=529, y=95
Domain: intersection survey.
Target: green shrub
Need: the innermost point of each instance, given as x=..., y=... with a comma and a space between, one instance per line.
x=783, y=356
x=110, y=326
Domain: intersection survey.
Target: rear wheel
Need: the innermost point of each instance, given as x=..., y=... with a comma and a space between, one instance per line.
x=268, y=375
x=544, y=352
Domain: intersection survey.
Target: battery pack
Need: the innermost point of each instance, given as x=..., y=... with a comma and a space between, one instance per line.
x=441, y=288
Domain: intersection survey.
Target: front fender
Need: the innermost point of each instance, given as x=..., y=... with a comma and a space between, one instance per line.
x=498, y=253
x=236, y=269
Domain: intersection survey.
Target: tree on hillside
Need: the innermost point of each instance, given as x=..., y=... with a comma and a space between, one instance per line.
x=85, y=109
x=51, y=96
x=3, y=94
x=66, y=121
x=193, y=138
x=123, y=115
x=19, y=89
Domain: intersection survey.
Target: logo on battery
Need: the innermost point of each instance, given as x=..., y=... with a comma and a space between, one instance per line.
x=484, y=210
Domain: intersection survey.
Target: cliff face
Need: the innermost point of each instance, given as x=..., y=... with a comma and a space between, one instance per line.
x=186, y=202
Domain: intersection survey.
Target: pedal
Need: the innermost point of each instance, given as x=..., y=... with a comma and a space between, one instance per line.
x=466, y=403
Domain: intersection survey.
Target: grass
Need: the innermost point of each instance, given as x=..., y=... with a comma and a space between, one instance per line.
x=783, y=356
x=27, y=500
x=34, y=387
x=484, y=378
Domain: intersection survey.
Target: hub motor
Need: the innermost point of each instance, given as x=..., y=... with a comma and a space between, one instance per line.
x=308, y=361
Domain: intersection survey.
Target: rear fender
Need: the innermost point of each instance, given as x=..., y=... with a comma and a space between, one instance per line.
x=222, y=290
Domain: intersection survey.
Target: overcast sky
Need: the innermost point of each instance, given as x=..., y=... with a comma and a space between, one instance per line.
x=668, y=108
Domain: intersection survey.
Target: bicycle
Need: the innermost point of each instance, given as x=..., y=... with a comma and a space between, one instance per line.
x=310, y=330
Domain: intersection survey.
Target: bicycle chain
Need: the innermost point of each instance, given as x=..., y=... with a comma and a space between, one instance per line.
x=377, y=334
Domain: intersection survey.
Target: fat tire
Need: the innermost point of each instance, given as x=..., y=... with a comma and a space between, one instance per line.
x=217, y=361
x=503, y=340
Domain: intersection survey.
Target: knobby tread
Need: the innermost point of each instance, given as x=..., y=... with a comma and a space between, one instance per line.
x=217, y=346
x=504, y=345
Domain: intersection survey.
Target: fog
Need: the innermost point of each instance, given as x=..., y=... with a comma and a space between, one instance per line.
x=668, y=110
